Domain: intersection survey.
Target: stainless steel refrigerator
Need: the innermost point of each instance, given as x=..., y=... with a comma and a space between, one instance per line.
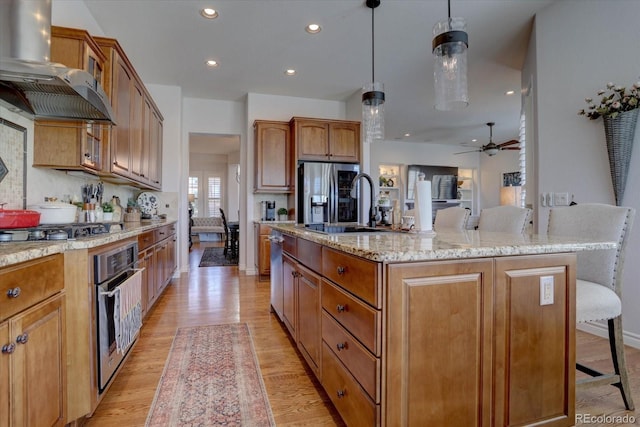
x=324, y=193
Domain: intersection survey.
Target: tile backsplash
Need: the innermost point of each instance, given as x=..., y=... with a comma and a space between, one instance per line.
x=13, y=140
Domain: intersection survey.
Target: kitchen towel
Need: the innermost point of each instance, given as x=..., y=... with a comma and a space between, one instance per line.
x=423, y=216
x=128, y=311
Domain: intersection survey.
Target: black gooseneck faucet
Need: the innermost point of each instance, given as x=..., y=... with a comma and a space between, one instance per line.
x=372, y=211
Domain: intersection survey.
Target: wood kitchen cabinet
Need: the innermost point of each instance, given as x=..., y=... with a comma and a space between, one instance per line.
x=263, y=250
x=495, y=357
x=326, y=140
x=77, y=145
x=136, y=140
x=157, y=255
x=274, y=165
x=33, y=347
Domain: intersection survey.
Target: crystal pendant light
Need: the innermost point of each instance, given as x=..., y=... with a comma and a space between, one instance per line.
x=450, y=43
x=373, y=94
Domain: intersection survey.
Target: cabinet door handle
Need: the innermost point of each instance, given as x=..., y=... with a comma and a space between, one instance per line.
x=8, y=348
x=341, y=270
x=22, y=339
x=341, y=346
x=341, y=308
x=14, y=293
x=341, y=393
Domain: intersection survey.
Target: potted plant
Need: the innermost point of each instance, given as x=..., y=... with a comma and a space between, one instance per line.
x=107, y=212
x=283, y=214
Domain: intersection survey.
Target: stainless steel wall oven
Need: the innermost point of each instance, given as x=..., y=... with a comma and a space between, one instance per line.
x=114, y=270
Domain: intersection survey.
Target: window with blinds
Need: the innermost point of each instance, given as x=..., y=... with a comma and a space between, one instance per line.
x=193, y=189
x=214, y=195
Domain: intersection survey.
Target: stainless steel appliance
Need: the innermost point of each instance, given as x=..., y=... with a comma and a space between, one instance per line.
x=271, y=211
x=111, y=270
x=324, y=193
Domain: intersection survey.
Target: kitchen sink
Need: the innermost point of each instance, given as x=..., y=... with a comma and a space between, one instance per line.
x=339, y=229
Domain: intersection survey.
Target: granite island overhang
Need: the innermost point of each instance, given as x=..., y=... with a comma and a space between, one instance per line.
x=396, y=246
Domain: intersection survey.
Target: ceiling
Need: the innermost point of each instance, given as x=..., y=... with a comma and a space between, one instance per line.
x=254, y=41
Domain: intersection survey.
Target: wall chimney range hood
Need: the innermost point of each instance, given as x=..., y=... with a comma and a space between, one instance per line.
x=31, y=85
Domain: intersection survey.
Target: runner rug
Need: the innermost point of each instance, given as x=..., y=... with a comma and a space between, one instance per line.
x=212, y=257
x=211, y=378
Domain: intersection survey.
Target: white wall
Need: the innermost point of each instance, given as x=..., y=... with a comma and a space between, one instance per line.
x=580, y=46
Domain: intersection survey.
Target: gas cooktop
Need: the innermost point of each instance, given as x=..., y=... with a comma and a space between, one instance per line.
x=73, y=231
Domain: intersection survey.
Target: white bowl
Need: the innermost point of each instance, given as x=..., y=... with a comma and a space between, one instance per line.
x=56, y=213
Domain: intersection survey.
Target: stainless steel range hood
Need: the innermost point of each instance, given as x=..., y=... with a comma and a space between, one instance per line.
x=35, y=87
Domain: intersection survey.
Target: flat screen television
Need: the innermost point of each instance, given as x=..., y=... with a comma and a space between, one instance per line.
x=444, y=181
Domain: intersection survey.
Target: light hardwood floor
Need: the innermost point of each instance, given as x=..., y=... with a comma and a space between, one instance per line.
x=223, y=295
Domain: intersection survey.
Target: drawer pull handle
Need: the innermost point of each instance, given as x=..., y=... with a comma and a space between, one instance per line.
x=22, y=339
x=341, y=393
x=8, y=348
x=341, y=270
x=341, y=308
x=341, y=346
x=14, y=293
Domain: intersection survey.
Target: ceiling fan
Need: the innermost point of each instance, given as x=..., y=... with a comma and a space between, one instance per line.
x=492, y=148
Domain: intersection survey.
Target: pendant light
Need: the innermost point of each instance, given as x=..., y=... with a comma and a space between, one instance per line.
x=373, y=93
x=450, y=43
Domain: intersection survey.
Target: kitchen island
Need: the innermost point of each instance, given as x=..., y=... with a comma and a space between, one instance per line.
x=465, y=328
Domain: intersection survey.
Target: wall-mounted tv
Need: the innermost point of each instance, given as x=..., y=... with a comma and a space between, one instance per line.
x=444, y=181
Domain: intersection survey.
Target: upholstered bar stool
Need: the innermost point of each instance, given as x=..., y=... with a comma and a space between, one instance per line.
x=505, y=219
x=599, y=284
x=453, y=218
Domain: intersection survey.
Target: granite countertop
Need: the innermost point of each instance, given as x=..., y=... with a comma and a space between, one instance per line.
x=396, y=246
x=16, y=252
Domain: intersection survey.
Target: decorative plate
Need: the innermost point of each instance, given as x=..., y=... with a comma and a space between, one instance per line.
x=148, y=203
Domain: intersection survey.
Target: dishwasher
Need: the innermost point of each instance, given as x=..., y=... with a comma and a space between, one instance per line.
x=277, y=294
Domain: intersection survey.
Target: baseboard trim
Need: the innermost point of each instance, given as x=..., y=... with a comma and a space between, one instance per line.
x=630, y=339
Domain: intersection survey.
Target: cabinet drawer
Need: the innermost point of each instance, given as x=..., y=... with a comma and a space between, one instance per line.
x=351, y=401
x=362, y=321
x=264, y=230
x=289, y=245
x=146, y=239
x=310, y=254
x=358, y=276
x=32, y=281
x=164, y=232
x=357, y=359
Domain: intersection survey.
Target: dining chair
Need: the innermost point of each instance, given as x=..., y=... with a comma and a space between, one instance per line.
x=227, y=235
x=599, y=280
x=506, y=219
x=452, y=218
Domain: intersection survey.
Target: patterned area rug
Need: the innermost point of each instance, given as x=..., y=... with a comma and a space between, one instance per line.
x=211, y=378
x=212, y=257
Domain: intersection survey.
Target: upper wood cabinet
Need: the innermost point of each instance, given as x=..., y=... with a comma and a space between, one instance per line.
x=326, y=140
x=273, y=157
x=135, y=143
x=75, y=146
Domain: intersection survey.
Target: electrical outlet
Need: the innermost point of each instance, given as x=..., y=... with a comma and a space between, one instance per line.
x=543, y=199
x=546, y=290
x=549, y=197
x=561, y=199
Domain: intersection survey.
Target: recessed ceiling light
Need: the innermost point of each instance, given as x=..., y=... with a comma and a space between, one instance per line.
x=212, y=63
x=510, y=92
x=474, y=140
x=313, y=28
x=209, y=13
x=290, y=72
x=406, y=135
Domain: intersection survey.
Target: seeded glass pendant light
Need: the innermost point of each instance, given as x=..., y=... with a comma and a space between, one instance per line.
x=450, y=43
x=373, y=93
